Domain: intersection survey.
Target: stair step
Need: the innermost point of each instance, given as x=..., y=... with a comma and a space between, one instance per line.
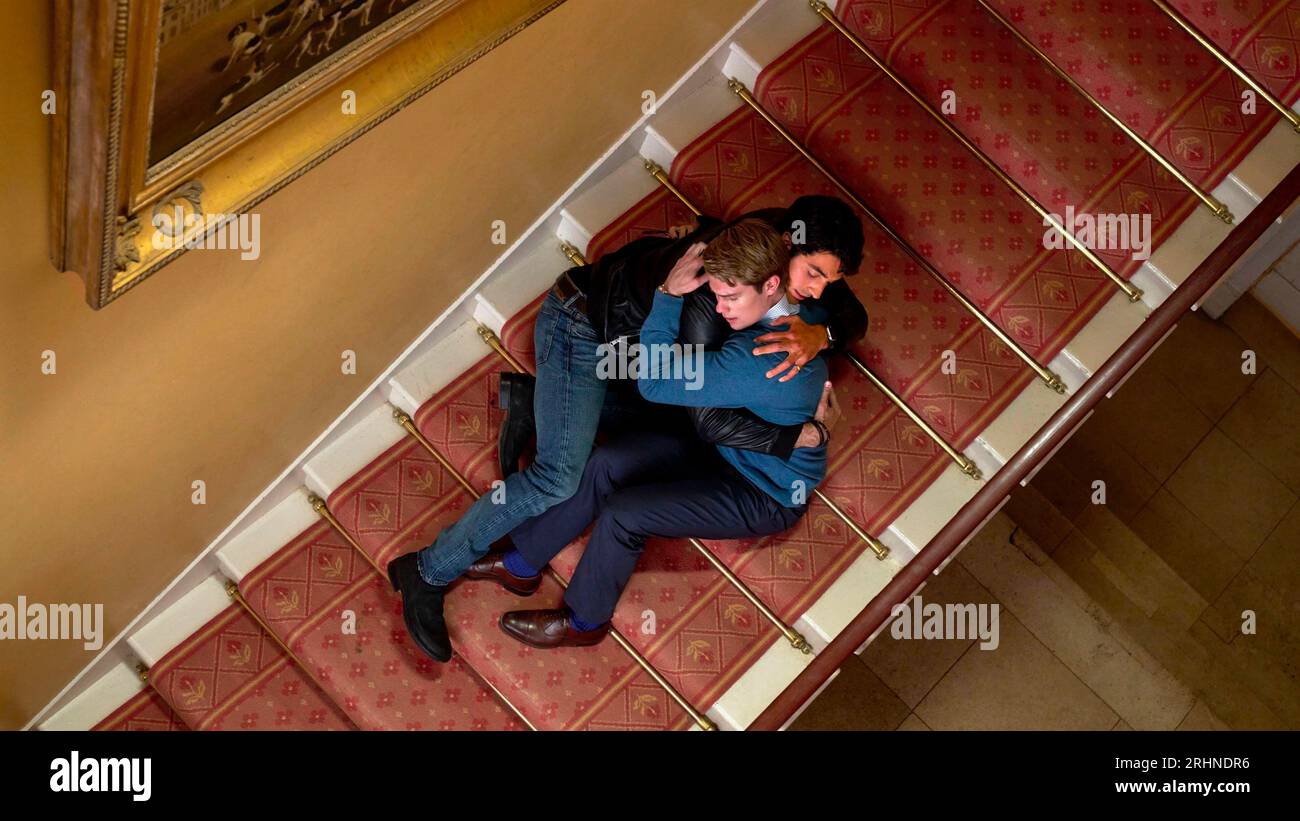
x=1135, y=84
x=351, y=450
x=601, y=202
x=655, y=213
x=344, y=622
x=117, y=700
x=146, y=711
x=686, y=619
x=232, y=675
x=418, y=382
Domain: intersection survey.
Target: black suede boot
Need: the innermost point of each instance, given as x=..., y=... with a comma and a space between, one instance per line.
x=421, y=607
x=518, y=428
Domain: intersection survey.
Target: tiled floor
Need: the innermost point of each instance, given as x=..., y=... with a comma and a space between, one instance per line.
x=1128, y=614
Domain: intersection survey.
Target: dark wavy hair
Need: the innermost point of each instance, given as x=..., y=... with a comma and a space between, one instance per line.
x=830, y=225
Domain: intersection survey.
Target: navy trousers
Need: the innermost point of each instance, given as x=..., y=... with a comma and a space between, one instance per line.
x=644, y=485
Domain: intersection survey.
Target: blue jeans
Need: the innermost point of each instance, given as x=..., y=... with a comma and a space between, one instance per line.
x=567, y=405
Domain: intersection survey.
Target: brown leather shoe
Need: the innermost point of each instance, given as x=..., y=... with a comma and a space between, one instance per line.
x=548, y=628
x=492, y=567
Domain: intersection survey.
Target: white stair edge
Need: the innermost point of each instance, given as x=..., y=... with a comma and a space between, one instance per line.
x=1263, y=168
x=765, y=679
x=741, y=66
x=485, y=313
x=611, y=196
x=777, y=28
x=527, y=274
x=572, y=232
x=656, y=149
x=926, y=516
x=678, y=124
x=1011, y=429
x=244, y=552
x=984, y=459
x=1070, y=371
x=847, y=596
x=1155, y=287
x=357, y=447
x=1103, y=334
x=170, y=628
x=441, y=365
x=109, y=692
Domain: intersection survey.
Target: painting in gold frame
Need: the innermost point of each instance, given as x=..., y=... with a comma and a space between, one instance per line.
x=205, y=107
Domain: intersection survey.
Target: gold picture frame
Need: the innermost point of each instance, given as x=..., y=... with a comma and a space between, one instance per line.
x=147, y=123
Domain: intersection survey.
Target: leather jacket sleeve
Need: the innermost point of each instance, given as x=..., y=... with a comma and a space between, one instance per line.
x=845, y=315
x=733, y=427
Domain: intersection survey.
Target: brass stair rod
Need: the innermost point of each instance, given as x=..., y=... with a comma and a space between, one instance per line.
x=876, y=547
x=701, y=720
x=1050, y=379
x=322, y=509
x=1130, y=290
x=1220, y=210
x=658, y=173
x=575, y=256
x=967, y=466
x=793, y=636
x=233, y=591
x=963, y=461
x=1218, y=54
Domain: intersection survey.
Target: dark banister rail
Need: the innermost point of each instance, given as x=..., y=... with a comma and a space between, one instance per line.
x=979, y=508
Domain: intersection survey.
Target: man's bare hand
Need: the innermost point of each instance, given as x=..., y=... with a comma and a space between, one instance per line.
x=828, y=413
x=828, y=409
x=800, y=342
x=679, y=231
x=688, y=273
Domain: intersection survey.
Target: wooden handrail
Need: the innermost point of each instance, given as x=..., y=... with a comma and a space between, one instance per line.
x=999, y=486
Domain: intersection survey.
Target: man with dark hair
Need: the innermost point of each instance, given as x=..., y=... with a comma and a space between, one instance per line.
x=590, y=310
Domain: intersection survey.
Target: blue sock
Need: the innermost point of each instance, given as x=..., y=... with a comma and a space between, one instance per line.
x=518, y=567
x=582, y=626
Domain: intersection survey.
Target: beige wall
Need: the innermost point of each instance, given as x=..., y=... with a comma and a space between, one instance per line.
x=225, y=370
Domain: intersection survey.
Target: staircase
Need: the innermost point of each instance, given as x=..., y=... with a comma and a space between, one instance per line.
x=954, y=126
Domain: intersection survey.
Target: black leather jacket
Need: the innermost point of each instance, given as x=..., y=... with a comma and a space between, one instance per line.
x=620, y=289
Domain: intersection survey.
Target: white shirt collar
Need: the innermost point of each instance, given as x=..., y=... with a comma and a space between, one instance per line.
x=782, y=307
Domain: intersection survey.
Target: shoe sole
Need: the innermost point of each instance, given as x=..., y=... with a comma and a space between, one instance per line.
x=438, y=657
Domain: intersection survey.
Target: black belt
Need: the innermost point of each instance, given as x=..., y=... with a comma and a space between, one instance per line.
x=565, y=289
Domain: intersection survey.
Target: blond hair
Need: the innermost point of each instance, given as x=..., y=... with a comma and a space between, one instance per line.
x=747, y=253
